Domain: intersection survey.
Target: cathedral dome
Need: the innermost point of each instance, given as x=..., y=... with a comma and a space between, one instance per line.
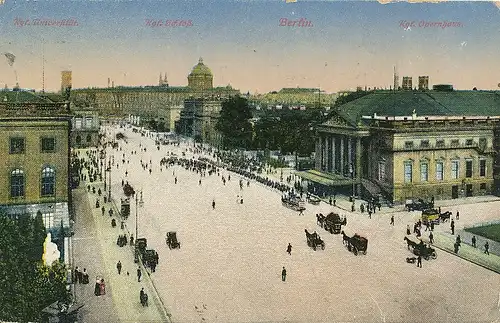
x=201, y=69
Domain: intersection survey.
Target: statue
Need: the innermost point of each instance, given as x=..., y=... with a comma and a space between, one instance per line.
x=50, y=252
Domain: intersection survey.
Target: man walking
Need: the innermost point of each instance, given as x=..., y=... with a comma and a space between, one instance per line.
x=119, y=267
x=139, y=274
x=419, y=261
x=213, y=204
x=452, y=227
x=392, y=219
x=283, y=274
x=458, y=215
x=474, y=241
x=289, y=249
x=431, y=238
x=486, y=248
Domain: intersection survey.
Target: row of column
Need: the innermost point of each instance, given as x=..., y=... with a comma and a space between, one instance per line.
x=339, y=154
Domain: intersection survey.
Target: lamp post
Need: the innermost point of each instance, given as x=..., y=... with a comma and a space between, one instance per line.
x=351, y=170
x=109, y=177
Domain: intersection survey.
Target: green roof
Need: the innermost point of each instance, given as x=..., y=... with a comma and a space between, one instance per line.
x=425, y=103
x=21, y=97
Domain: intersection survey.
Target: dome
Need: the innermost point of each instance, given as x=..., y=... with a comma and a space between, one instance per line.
x=201, y=69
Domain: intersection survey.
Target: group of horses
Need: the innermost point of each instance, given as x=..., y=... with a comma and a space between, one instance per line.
x=421, y=249
x=356, y=243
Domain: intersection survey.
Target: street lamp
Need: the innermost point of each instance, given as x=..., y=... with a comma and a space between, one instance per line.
x=351, y=170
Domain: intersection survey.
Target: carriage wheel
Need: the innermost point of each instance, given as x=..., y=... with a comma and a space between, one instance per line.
x=426, y=257
x=323, y=246
x=364, y=252
x=331, y=230
x=355, y=251
x=314, y=247
x=434, y=255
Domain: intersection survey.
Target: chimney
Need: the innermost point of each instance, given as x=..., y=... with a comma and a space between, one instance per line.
x=423, y=83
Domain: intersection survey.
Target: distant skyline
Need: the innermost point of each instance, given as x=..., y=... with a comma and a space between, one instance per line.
x=344, y=45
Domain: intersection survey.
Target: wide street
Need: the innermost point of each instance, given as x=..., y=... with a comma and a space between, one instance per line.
x=228, y=268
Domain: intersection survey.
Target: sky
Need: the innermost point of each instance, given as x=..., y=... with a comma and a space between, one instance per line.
x=348, y=43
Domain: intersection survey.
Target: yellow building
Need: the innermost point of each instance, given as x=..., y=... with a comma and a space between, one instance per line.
x=34, y=136
x=411, y=144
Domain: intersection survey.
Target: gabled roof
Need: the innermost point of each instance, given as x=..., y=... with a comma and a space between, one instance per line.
x=424, y=103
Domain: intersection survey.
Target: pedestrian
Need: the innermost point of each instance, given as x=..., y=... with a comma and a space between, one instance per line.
x=75, y=274
x=486, y=248
x=102, y=287
x=141, y=296
x=456, y=246
x=131, y=239
x=199, y=182
x=419, y=261
x=85, y=277
x=119, y=267
x=392, y=219
x=79, y=276
x=283, y=274
x=452, y=227
x=330, y=201
x=289, y=249
x=97, y=289
x=408, y=232
x=139, y=274
x=353, y=207
x=431, y=238
x=474, y=241
x=369, y=213
x=213, y=204
x=103, y=209
x=459, y=241
x=458, y=215
x=432, y=225
x=176, y=180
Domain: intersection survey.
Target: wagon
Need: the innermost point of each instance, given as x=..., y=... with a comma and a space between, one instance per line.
x=313, y=200
x=293, y=203
x=357, y=244
x=333, y=223
x=418, y=205
x=314, y=241
x=171, y=240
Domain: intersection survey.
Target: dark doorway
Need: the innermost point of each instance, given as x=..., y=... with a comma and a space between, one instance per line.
x=454, y=192
x=468, y=190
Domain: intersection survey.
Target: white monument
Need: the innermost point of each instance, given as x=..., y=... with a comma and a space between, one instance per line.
x=50, y=251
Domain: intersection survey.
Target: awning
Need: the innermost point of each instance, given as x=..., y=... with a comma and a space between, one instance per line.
x=325, y=178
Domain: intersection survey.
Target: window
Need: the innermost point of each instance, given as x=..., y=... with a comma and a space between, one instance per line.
x=469, y=142
x=482, y=167
x=381, y=171
x=424, y=144
x=17, y=145
x=48, y=145
x=454, y=169
x=89, y=138
x=440, y=143
x=439, y=170
x=408, y=144
x=48, y=219
x=482, y=186
x=424, y=172
x=468, y=168
x=455, y=143
x=408, y=171
x=78, y=139
x=48, y=181
x=17, y=183
x=482, y=143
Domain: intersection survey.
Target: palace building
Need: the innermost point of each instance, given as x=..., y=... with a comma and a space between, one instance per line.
x=152, y=102
x=35, y=154
x=439, y=143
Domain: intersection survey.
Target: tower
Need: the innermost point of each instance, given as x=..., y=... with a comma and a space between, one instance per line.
x=396, y=79
x=423, y=82
x=407, y=83
x=65, y=81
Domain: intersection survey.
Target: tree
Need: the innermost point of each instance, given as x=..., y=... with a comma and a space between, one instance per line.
x=28, y=285
x=234, y=123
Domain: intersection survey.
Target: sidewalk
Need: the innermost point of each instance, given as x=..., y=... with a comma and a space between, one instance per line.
x=445, y=242
x=96, y=249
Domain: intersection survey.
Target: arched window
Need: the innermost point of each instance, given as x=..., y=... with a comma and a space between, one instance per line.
x=89, y=138
x=78, y=139
x=48, y=181
x=17, y=183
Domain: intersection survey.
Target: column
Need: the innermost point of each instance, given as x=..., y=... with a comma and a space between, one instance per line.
x=317, y=159
x=358, y=165
x=334, y=141
x=349, y=152
x=327, y=151
x=342, y=155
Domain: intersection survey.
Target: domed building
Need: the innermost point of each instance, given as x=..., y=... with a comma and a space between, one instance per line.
x=201, y=77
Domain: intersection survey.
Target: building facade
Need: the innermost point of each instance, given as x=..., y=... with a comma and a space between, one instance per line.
x=151, y=102
x=199, y=118
x=85, y=127
x=295, y=96
x=34, y=135
x=412, y=144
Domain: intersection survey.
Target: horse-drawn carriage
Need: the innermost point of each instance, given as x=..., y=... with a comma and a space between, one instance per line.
x=433, y=216
x=418, y=205
x=356, y=243
x=421, y=249
x=293, y=202
x=314, y=241
x=171, y=240
x=333, y=222
x=313, y=200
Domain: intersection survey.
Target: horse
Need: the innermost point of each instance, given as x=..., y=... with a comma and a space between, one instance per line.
x=320, y=219
x=445, y=216
x=410, y=243
x=345, y=239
